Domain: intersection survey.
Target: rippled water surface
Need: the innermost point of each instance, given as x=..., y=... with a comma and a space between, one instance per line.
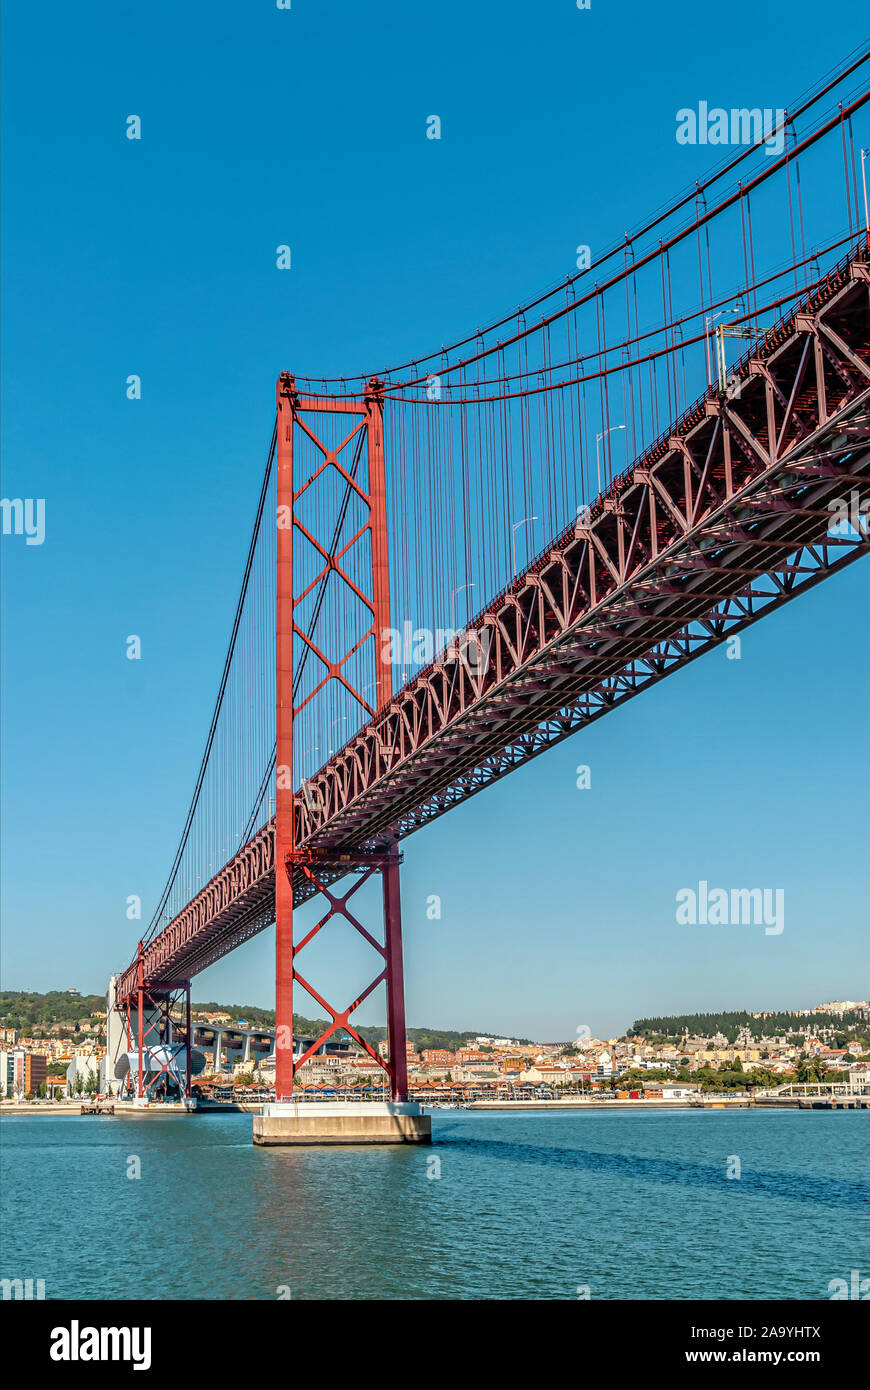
x=518, y=1206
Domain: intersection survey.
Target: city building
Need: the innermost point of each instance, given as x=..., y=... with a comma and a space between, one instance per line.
x=21, y=1072
x=88, y=1069
x=436, y=1057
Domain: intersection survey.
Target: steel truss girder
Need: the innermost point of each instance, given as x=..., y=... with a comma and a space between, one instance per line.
x=724, y=518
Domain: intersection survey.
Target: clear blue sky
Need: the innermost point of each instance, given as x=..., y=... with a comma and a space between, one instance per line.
x=157, y=257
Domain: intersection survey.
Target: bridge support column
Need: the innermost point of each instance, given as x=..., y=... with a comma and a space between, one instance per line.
x=398, y=1070
x=285, y=835
x=140, y=1024
x=188, y=1041
x=396, y=1121
x=117, y=1037
x=298, y=866
x=159, y=1048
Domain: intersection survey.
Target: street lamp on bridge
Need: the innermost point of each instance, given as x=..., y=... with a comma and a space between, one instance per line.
x=598, y=439
x=341, y=720
x=453, y=603
x=708, y=321
x=514, y=542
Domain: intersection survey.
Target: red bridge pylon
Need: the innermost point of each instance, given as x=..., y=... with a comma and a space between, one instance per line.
x=154, y=1006
x=367, y=550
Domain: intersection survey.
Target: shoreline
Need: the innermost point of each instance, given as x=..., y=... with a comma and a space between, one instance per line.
x=122, y=1110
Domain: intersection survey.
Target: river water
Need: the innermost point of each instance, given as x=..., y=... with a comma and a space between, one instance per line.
x=511, y=1206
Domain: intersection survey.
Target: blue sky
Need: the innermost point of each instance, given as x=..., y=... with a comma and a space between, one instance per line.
x=307, y=127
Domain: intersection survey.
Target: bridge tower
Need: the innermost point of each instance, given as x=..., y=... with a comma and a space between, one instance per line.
x=312, y=421
x=144, y=1044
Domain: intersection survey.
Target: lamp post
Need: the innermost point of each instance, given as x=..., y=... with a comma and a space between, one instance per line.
x=598, y=439
x=723, y=331
x=514, y=529
x=341, y=720
x=708, y=321
x=864, y=154
x=453, y=604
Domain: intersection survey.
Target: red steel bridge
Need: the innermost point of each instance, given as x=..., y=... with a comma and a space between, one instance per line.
x=448, y=573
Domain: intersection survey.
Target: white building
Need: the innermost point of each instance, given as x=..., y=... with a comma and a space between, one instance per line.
x=11, y=1073
x=604, y=1063
x=84, y=1067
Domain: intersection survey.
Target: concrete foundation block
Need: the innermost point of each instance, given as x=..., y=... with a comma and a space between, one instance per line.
x=325, y=1122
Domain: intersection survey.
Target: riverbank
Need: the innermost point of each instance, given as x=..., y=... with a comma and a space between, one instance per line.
x=719, y=1103
x=48, y=1107
x=122, y=1108
x=125, y=1109
x=63, y=1108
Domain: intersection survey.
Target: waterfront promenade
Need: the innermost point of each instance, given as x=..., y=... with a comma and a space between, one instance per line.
x=787, y=1097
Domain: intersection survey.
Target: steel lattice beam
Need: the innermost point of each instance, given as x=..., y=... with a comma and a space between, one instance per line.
x=725, y=518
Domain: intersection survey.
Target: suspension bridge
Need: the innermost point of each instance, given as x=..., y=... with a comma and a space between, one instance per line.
x=448, y=573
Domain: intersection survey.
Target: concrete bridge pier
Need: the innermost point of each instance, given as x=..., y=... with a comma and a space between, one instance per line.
x=116, y=1042
x=122, y=1028
x=211, y=1044
x=342, y=1122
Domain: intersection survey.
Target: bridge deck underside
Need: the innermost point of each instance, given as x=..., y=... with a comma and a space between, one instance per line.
x=727, y=517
